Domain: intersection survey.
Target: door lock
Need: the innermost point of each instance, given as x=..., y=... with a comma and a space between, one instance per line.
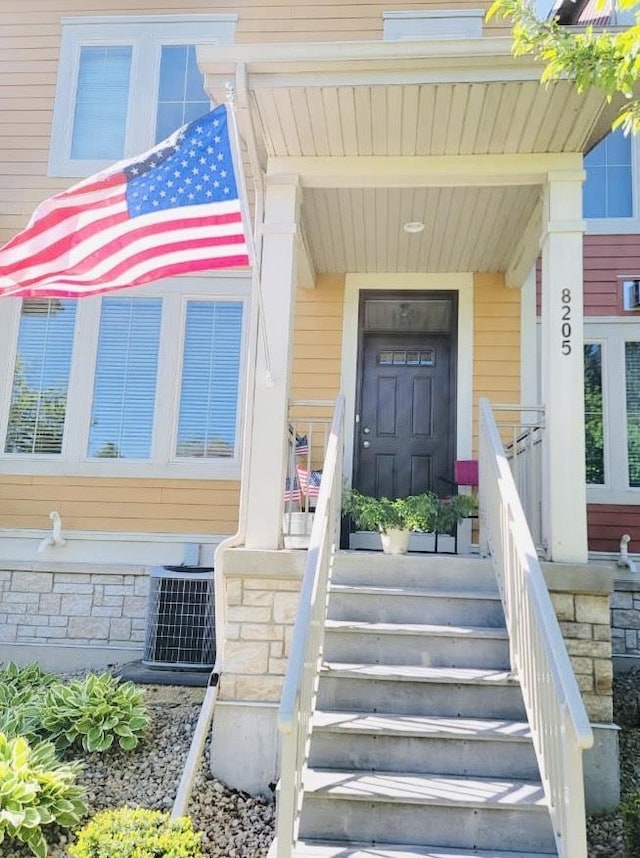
x=366, y=443
x=366, y=430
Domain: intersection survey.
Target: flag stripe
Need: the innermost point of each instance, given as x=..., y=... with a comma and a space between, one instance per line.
x=172, y=210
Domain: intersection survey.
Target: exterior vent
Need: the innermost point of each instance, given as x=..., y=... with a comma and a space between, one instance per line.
x=631, y=294
x=180, y=629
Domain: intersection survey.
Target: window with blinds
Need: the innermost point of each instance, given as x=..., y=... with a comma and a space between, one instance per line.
x=181, y=95
x=210, y=378
x=102, y=102
x=593, y=414
x=608, y=185
x=41, y=376
x=632, y=361
x=125, y=379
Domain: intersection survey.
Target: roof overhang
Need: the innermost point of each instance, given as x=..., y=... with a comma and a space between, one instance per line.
x=346, y=116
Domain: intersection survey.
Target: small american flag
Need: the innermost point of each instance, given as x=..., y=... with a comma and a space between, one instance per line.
x=291, y=490
x=309, y=482
x=173, y=210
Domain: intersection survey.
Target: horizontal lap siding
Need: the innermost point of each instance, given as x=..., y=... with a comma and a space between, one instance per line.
x=607, y=260
x=120, y=504
x=317, y=340
x=496, y=343
x=607, y=523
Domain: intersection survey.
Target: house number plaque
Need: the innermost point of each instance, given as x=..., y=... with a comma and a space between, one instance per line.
x=566, y=321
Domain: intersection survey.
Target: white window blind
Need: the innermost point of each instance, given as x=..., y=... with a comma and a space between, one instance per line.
x=125, y=378
x=41, y=376
x=210, y=378
x=632, y=361
x=102, y=102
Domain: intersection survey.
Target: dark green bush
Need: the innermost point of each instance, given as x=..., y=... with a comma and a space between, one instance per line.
x=92, y=712
x=630, y=808
x=137, y=833
x=36, y=790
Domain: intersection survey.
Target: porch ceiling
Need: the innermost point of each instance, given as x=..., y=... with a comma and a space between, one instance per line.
x=406, y=99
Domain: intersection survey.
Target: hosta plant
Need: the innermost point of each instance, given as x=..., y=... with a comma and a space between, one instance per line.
x=20, y=711
x=94, y=712
x=137, y=833
x=36, y=790
x=28, y=676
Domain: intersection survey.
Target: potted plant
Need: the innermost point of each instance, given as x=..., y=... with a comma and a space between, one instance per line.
x=397, y=518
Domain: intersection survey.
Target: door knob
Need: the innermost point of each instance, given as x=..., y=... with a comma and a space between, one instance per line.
x=366, y=443
x=366, y=430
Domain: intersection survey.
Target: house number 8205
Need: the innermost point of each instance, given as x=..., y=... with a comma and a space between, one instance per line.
x=566, y=321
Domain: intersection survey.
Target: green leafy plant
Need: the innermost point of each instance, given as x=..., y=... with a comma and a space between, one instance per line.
x=424, y=512
x=36, y=790
x=22, y=691
x=137, y=833
x=26, y=676
x=94, y=712
x=630, y=808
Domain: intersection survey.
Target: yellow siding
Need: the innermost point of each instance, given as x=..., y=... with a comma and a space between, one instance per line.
x=496, y=343
x=120, y=505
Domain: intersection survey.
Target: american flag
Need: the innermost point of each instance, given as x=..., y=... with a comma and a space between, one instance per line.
x=173, y=210
x=309, y=482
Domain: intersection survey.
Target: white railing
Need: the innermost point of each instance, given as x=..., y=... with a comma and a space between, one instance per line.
x=521, y=429
x=300, y=685
x=556, y=713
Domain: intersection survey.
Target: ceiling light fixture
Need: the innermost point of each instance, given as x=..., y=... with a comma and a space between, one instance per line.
x=413, y=226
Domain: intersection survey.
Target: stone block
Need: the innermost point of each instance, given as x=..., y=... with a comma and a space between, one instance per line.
x=113, y=601
x=51, y=632
x=593, y=649
x=112, y=590
x=75, y=606
x=271, y=584
x=278, y=666
x=285, y=607
x=138, y=636
x=563, y=605
x=141, y=586
x=98, y=594
x=631, y=640
x=73, y=589
x=603, y=675
x=232, y=631
x=619, y=647
x=72, y=578
x=592, y=609
x=599, y=708
x=33, y=582
x=576, y=630
x=19, y=597
x=97, y=578
x=16, y=611
x=31, y=620
x=120, y=629
x=276, y=650
x=49, y=603
x=582, y=665
x=88, y=627
x=621, y=600
x=265, y=689
x=248, y=614
x=585, y=681
x=58, y=621
x=257, y=597
x=227, y=688
x=625, y=619
x=246, y=657
x=8, y=632
x=134, y=606
x=5, y=576
x=103, y=611
x=602, y=633
x=261, y=632
x=234, y=592
x=26, y=632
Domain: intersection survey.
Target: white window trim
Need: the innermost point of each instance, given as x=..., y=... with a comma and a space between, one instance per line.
x=439, y=23
x=622, y=225
x=146, y=34
x=612, y=335
x=73, y=461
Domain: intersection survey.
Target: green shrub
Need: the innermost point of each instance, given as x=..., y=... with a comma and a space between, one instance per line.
x=630, y=808
x=36, y=790
x=94, y=711
x=137, y=833
x=29, y=676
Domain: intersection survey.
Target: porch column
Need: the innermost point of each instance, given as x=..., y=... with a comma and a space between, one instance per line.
x=562, y=379
x=266, y=472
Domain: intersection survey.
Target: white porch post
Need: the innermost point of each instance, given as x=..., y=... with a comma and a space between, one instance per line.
x=267, y=465
x=564, y=488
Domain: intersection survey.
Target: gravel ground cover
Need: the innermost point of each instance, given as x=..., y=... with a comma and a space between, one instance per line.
x=237, y=825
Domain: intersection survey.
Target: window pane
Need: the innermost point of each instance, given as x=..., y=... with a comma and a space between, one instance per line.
x=181, y=95
x=607, y=188
x=632, y=360
x=124, y=390
x=593, y=414
x=102, y=101
x=41, y=377
x=210, y=376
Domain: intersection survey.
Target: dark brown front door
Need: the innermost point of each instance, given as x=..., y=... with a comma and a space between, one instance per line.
x=405, y=431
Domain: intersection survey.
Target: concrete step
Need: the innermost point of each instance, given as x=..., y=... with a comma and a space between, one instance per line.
x=416, y=643
x=455, y=746
x=417, y=690
x=400, y=807
x=372, y=567
x=342, y=849
x=388, y=604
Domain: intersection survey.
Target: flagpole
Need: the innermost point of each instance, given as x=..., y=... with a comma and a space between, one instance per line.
x=236, y=154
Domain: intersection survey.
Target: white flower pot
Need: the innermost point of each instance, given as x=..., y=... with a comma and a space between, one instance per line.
x=395, y=541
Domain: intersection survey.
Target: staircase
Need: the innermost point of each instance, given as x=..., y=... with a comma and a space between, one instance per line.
x=420, y=745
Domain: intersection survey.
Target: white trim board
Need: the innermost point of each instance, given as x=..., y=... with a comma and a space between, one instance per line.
x=461, y=283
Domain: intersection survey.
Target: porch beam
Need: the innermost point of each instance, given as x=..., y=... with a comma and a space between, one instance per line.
x=266, y=470
x=433, y=171
x=562, y=371
x=526, y=251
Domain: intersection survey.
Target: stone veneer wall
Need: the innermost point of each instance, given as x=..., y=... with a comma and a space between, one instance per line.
x=625, y=617
x=61, y=605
